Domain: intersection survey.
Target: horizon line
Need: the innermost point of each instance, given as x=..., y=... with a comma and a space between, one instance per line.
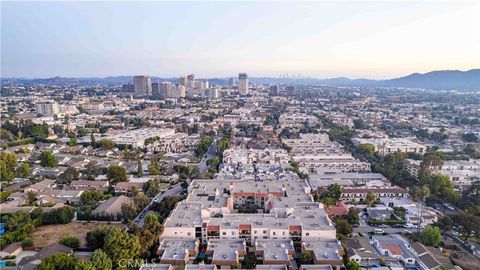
x=228, y=77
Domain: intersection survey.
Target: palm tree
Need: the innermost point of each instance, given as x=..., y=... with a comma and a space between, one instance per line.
x=370, y=199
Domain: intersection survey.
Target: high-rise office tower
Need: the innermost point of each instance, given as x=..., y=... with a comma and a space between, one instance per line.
x=155, y=89
x=127, y=88
x=243, y=83
x=274, y=90
x=182, y=81
x=231, y=83
x=142, y=85
x=165, y=89
x=181, y=91
x=211, y=92
x=191, y=81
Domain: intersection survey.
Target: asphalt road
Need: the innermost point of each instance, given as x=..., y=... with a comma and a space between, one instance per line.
x=171, y=191
x=212, y=152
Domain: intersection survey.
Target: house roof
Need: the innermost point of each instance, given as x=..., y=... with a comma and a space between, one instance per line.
x=45, y=252
x=395, y=250
x=419, y=248
x=429, y=260
x=112, y=205
x=12, y=247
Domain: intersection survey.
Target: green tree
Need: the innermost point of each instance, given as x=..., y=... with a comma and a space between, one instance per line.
x=305, y=257
x=90, y=197
x=59, y=261
x=120, y=244
x=31, y=197
x=213, y=163
x=334, y=191
x=58, y=216
x=116, y=174
x=70, y=241
x=467, y=224
x=441, y=187
x=68, y=176
x=72, y=142
x=153, y=168
x=359, y=124
x=370, y=198
x=84, y=265
x=129, y=211
x=366, y=149
x=8, y=164
x=469, y=137
x=445, y=223
x=249, y=261
x=352, y=216
x=47, y=159
x=92, y=140
x=431, y=236
x=150, y=232
x=28, y=242
x=141, y=201
x=107, y=144
x=38, y=131
x=100, y=260
x=343, y=227
x=139, y=168
x=352, y=265
x=222, y=145
x=24, y=170
x=96, y=238
x=151, y=188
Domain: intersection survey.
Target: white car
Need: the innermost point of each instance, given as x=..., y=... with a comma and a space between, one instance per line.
x=379, y=231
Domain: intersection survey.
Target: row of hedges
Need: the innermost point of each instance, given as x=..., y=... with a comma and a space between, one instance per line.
x=387, y=222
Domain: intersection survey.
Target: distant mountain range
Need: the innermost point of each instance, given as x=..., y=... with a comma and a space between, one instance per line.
x=443, y=79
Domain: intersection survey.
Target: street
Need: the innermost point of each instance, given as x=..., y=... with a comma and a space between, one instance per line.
x=171, y=191
x=212, y=152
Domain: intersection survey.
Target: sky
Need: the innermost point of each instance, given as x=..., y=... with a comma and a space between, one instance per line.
x=220, y=39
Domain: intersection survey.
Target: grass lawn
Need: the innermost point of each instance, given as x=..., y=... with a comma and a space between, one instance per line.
x=50, y=234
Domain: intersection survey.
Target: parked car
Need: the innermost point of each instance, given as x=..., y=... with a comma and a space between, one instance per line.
x=379, y=231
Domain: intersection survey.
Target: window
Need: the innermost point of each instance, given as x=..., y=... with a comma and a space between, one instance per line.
x=274, y=233
x=307, y=234
x=224, y=233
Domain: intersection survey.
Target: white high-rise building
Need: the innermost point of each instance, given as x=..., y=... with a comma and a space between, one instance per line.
x=191, y=81
x=243, y=83
x=142, y=85
x=211, y=92
x=183, y=81
x=231, y=82
x=47, y=108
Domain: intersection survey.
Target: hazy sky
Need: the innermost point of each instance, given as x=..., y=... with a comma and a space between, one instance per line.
x=321, y=39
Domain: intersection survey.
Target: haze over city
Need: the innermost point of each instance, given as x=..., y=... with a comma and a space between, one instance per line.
x=240, y=135
x=322, y=39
